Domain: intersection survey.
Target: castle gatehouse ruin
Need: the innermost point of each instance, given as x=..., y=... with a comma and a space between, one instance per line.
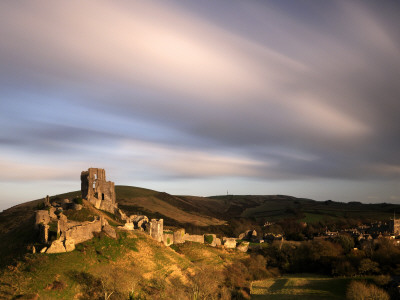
x=97, y=190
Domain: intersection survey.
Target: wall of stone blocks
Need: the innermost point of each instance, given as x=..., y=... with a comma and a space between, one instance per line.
x=84, y=232
x=194, y=238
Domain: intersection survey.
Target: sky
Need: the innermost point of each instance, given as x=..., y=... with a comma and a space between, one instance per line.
x=201, y=97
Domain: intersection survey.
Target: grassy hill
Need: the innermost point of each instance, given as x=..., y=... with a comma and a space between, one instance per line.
x=134, y=263
x=202, y=214
x=217, y=210
x=278, y=207
x=174, y=209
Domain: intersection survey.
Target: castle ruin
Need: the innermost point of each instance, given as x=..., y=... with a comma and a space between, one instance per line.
x=58, y=234
x=97, y=190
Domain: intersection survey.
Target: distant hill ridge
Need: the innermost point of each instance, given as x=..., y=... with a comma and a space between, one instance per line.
x=217, y=210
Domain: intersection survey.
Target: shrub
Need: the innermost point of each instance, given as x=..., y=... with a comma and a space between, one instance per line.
x=78, y=200
x=381, y=280
x=358, y=290
x=256, y=265
x=208, y=239
x=368, y=266
x=40, y=206
x=91, y=285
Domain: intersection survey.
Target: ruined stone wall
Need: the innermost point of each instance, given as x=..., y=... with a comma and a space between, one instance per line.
x=210, y=239
x=84, y=232
x=41, y=217
x=156, y=230
x=229, y=243
x=168, y=238
x=43, y=233
x=179, y=236
x=194, y=238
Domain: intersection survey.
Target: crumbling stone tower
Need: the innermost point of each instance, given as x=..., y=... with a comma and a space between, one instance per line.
x=156, y=229
x=97, y=190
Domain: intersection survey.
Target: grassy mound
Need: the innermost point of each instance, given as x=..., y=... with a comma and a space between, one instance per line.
x=133, y=262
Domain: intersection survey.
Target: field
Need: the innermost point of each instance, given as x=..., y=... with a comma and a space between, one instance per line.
x=300, y=286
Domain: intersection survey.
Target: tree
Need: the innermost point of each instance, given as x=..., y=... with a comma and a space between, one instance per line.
x=346, y=241
x=368, y=266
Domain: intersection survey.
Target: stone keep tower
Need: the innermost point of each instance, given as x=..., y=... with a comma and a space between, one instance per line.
x=97, y=190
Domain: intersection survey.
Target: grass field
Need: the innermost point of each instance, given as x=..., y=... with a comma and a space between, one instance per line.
x=313, y=218
x=300, y=286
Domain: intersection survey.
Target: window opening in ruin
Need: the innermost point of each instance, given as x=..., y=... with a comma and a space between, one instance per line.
x=94, y=185
x=102, y=196
x=95, y=176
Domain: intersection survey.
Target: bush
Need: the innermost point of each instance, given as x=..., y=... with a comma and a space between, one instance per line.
x=208, y=239
x=358, y=290
x=368, y=266
x=256, y=265
x=78, y=200
x=40, y=206
x=381, y=280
